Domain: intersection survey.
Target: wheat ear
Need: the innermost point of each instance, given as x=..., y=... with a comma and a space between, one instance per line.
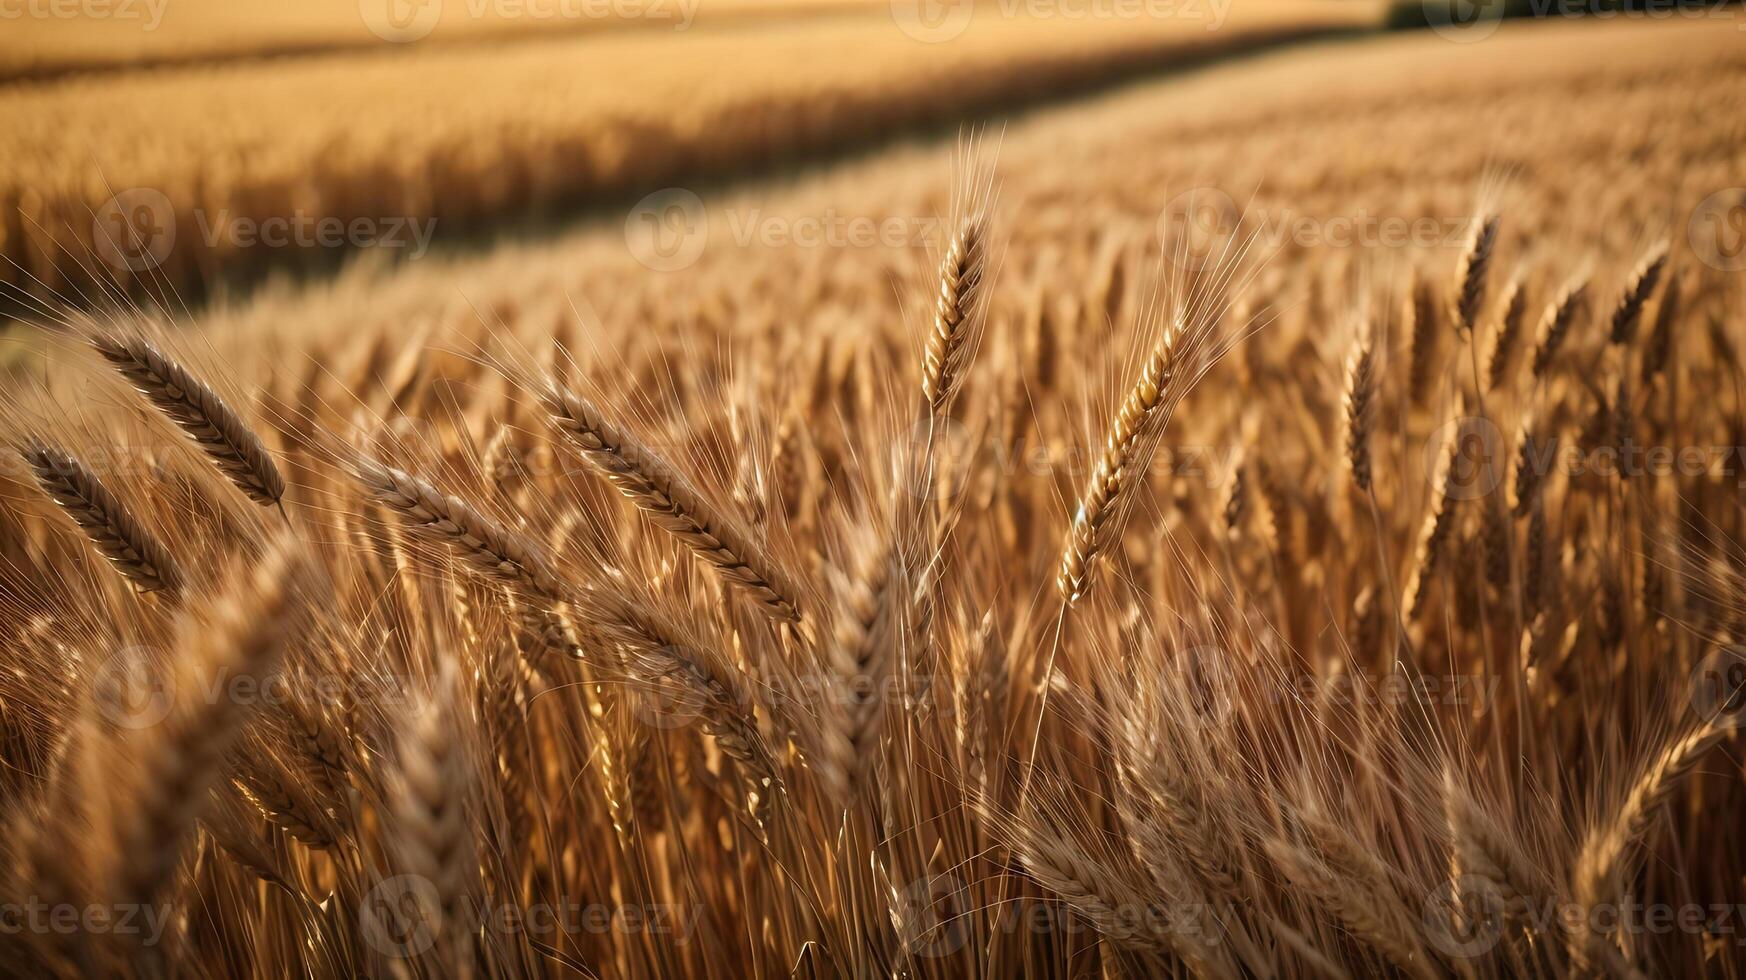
x=1471, y=271
x=1629, y=311
x=1509, y=334
x=1127, y=447
x=1602, y=856
x=955, y=313
x=428, y=798
x=111, y=528
x=175, y=768
x=1360, y=402
x=1555, y=325
x=187, y=401
x=444, y=519
x=673, y=503
x=1659, y=347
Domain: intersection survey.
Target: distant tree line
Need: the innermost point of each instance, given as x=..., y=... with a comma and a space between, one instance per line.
x=1424, y=13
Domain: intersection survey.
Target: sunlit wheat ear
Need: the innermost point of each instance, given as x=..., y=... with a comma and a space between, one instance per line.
x=673, y=503
x=1481, y=847
x=652, y=647
x=187, y=401
x=1602, y=858
x=1136, y=428
x=109, y=525
x=1470, y=273
x=429, y=802
x=955, y=314
x=1439, y=523
x=1555, y=325
x=1629, y=311
x=173, y=768
x=1360, y=403
x=444, y=519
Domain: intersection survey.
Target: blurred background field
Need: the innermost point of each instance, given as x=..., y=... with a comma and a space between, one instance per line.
x=473, y=134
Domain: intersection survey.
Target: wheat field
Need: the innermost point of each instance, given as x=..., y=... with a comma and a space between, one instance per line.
x=1279, y=520
x=459, y=135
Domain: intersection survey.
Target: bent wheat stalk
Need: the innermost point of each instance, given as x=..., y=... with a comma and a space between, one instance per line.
x=195, y=408
x=1629, y=311
x=673, y=503
x=111, y=528
x=445, y=519
x=1127, y=449
x=1603, y=853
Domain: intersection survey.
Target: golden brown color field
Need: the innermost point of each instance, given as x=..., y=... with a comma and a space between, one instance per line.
x=1277, y=521
x=461, y=135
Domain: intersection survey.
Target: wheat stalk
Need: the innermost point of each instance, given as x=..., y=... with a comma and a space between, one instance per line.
x=1628, y=313
x=1360, y=402
x=444, y=519
x=1471, y=271
x=193, y=406
x=107, y=522
x=674, y=504
x=1555, y=325
x=1127, y=448
x=955, y=314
